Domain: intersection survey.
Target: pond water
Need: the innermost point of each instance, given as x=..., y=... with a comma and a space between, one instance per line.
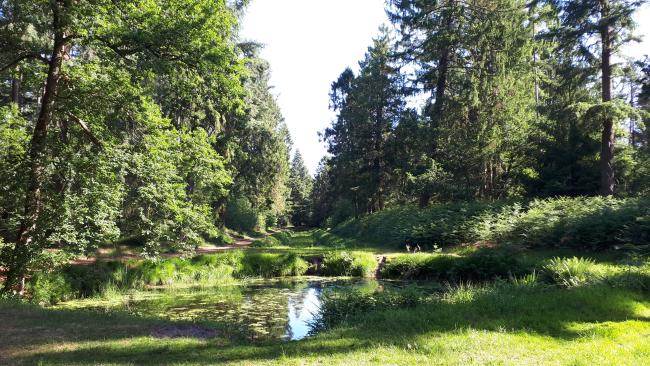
x=264, y=309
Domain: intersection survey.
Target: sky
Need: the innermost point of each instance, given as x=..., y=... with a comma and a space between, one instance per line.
x=310, y=42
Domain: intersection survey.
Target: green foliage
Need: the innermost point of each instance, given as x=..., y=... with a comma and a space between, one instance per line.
x=359, y=264
x=240, y=215
x=300, y=185
x=49, y=288
x=267, y=242
x=13, y=143
x=342, y=210
x=479, y=266
x=259, y=144
x=593, y=223
x=284, y=237
x=343, y=306
x=273, y=265
x=441, y=225
x=572, y=272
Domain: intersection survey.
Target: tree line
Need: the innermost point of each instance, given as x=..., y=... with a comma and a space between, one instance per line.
x=488, y=99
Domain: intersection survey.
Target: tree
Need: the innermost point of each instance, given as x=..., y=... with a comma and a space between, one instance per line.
x=610, y=22
x=369, y=106
x=300, y=185
x=258, y=144
x=90, y=70
x=474, y=62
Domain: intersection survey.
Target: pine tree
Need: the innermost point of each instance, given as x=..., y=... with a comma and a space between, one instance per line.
x=610, y=22
x=301, y=185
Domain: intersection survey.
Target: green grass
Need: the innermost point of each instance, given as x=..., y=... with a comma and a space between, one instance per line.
x=510, y=325
x=590, y=310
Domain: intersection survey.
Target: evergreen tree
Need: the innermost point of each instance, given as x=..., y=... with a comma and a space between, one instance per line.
x=300, y=185
x=610, y=22
x=369, y=106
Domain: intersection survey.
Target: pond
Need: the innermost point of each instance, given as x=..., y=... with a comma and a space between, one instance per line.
x=257, y=309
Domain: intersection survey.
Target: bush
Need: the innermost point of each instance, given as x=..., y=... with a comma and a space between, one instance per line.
x=441, y=225
x=594, y=223
x=478, y=266
x=283, y=237
x=240, y=215
x=572, y=272
x=339, y=307
x=49, y=288
x=486, y=265
x=418, y=266
x=359, y=264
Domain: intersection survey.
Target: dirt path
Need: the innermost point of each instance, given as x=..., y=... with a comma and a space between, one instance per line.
x=239, y=244
x=104, y=254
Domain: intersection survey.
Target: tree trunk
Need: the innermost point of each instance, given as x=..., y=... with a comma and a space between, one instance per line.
x=607, y=181
x=15, y=89
x=20, y=255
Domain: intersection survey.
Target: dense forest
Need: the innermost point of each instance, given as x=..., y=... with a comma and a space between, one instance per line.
x=521, y=99
x=152, y=121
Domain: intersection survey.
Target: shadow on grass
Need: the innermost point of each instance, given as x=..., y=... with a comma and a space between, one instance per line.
x=32, y=335
x=546, y=311
x=97, y=338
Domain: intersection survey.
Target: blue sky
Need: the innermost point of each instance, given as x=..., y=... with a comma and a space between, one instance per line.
x=310, y=42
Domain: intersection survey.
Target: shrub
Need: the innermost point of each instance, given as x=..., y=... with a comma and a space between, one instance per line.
x=583, y=222
x=221, y=238
x=477, y=266
x=360, y=264
x=49, y=288
x=441, y=225
x=283, y=237
x=572, y=272
x=338, y=307
x=240, y=215
x=485, y=265
x=406, y=266
x=594, y=223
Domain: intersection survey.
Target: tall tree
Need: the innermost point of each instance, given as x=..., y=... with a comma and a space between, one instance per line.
x=258, y=143
x=301, y=185
x=369, y=106
x=89, y=103
x=611, y=23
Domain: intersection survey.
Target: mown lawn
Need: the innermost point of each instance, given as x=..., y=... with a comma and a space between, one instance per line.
x=510, y=325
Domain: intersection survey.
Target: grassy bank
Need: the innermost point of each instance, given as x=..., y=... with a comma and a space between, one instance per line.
x=280, y=255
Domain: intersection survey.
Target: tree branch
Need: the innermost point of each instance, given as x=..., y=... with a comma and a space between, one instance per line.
x=87, y=131
x=21, y=58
